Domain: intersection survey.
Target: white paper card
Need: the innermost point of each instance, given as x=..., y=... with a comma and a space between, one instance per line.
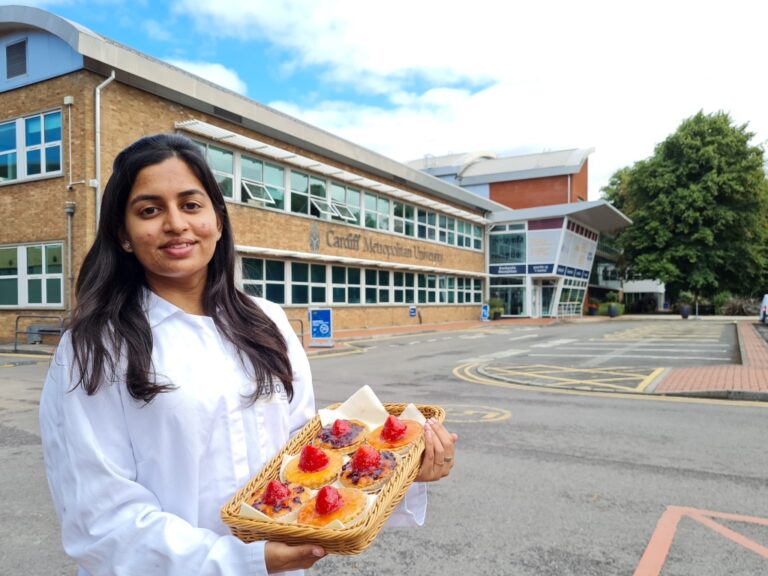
x=363, y=405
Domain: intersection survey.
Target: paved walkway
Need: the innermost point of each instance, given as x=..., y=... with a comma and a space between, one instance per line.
x=748, y=380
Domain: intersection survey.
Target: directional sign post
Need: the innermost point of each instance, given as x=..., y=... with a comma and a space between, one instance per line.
x=321, y=327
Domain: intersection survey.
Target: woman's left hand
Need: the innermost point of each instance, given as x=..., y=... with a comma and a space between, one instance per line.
x=439, y=452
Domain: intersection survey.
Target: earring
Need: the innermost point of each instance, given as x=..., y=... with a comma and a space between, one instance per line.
x=127, y=246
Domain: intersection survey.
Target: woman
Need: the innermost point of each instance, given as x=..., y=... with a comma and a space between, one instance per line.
x=171, y=388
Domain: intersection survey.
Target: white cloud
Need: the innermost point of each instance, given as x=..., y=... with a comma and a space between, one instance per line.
x=216, y=73
x=157, y=31
x=616, y=76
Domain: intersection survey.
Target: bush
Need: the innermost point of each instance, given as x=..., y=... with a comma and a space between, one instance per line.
x=612, y=297
x=495, y=307
x=603, y=309
x=685, y=297
x=720, y=300
x=739, y=306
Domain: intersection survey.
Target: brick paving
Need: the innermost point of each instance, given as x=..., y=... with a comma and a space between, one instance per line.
x=751, y=377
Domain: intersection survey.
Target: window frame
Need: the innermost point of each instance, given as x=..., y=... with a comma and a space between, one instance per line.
x=45, y=277
x=21, y=148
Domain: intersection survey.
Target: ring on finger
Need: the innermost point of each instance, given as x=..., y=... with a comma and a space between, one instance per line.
x=448, y=459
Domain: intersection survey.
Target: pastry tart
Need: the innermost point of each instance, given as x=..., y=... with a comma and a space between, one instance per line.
x=329, y=504
x=368, y=469
x=314, y=467
x=395, y=434
x=277, y=499
x=343, y=435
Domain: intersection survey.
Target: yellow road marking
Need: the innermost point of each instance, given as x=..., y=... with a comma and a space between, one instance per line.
x=463, y=372
x=651, y=377
x=472, y=413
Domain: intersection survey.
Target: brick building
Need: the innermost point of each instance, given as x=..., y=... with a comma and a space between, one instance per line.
x=525, y=181
x=543, y=248
x=318, y=221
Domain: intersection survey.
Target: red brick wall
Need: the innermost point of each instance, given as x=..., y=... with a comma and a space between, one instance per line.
x=545, y=191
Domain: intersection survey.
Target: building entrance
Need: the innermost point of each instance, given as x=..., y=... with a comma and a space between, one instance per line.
x=543, y=297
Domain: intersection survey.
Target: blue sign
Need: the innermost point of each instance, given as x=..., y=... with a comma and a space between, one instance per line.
x=412, y=311
x=320, y=327
x=540, y=268
x=484, y=313
x=507, y=269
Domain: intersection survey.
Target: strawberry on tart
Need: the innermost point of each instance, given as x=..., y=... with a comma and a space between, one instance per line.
x=315, y=467
x=277, y=499
x=329, y=504
x=343, y=435
x=368, y=469
x=395, y=434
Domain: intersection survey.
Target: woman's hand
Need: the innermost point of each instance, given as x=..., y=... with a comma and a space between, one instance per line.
x=439, y=452
x=280, y=557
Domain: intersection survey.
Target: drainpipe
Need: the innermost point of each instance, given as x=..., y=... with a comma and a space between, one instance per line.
x=97, y=112
x=69, y=210
x=568, y=200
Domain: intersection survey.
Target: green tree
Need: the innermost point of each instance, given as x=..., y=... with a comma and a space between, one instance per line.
x=699, y=209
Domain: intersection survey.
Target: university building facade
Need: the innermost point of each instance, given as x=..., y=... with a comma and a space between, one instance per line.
x=318, y=221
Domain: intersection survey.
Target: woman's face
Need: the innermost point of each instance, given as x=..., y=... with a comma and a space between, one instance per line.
x=171, y=226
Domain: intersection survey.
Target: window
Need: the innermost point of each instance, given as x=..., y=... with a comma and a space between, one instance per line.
x=447, y=289
x=376, y=286
x=265, y=278
x=426, y=224
x=16, y=59
x=30, y=146
x=478, y=237
x=8, y=163
x=261, y=184
x=345, y=284
x=427, y=288
x=376, y=212
x=222, y=164
x=31, y=275
x=308, y=283
x=404, y=287
x=308, y=195
x=507, y=248
x=446, y=230
x=346, y=201
x=9, y=277
x=404, y=219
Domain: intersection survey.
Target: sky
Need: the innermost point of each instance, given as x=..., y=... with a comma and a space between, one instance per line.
x=426, y=77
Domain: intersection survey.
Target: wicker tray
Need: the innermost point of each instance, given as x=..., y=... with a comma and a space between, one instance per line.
x=351, y=540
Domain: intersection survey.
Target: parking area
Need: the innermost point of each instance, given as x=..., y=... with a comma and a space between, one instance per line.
x=617, y=356
x=608, y=379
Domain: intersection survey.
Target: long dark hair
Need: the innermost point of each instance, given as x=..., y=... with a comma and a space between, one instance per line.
x=109, y=324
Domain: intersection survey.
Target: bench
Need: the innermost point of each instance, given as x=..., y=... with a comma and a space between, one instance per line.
x=36, y=331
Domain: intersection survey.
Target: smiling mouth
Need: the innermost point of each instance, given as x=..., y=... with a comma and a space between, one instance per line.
x=177, y=245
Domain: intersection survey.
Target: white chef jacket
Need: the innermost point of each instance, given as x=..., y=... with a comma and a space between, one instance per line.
x=137, y=487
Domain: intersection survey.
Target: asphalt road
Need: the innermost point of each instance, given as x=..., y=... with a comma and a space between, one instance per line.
x=548, y=481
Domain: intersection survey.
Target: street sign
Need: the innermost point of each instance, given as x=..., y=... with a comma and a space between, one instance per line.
x=412, y=311
x=484, y=313
x=321, y=327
